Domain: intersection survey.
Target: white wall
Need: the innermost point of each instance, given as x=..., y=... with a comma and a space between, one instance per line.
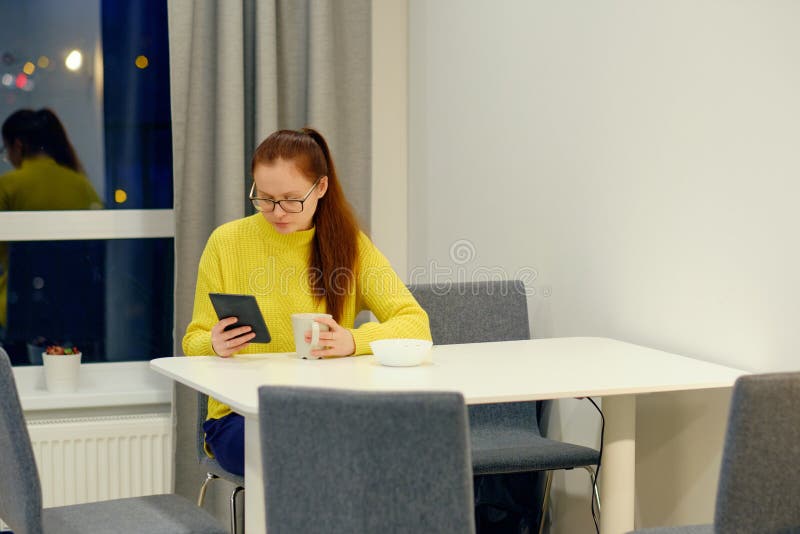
x=643, y=158
x=390, y=130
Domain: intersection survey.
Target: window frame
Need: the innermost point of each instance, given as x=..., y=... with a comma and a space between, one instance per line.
x=86, y=224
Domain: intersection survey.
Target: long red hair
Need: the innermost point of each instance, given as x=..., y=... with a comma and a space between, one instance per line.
x=335, y=247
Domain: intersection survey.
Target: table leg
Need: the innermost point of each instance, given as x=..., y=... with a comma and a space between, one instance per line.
x=618, y=472
x=254, y=518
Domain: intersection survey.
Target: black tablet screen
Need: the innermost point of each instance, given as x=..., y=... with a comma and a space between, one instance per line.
x=245, y=308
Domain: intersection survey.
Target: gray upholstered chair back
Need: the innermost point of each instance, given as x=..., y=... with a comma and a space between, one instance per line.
x=20, y=491
x=475, y=312
x=479, y=312
x=340, y=461
x=759, y=485
x=211, y=464
x=200, y=435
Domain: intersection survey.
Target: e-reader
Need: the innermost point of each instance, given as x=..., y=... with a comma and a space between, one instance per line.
x=245, y=309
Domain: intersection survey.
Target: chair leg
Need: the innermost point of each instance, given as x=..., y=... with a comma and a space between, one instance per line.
x=595, y=491
x=548, y=484
x=204, y=487
x=545, y=499
x=234, y=523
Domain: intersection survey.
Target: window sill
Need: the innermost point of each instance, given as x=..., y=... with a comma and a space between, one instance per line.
x=102, y=385
x=86, y=224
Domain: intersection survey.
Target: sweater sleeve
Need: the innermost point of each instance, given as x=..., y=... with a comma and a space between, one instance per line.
x=197, y=340
x=383, y=292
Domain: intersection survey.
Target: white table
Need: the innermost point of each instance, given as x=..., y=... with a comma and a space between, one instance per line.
x=483, y=373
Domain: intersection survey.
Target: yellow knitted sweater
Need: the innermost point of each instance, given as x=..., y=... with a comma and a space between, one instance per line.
x=248, y=256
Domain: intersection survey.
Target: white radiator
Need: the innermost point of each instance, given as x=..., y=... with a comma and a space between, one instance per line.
x=87, y=459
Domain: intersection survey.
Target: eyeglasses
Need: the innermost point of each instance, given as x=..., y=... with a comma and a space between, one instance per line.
x=289, y=205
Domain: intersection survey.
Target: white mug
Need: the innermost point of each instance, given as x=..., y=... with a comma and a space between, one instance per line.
x=302, y=323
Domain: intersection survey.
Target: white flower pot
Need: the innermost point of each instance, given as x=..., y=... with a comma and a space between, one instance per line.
x=61, y=372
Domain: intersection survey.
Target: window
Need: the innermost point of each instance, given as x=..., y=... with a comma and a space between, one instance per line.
x=101, y=279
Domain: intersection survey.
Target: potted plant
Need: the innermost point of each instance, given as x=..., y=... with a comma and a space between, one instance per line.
x=61, y=368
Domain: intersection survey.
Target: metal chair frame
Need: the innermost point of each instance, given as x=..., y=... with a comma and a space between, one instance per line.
x=215, y=471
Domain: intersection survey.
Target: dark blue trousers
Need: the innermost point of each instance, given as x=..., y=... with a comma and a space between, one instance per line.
x=225, y=438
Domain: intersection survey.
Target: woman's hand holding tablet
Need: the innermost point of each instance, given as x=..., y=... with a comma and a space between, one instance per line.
x=240, y=323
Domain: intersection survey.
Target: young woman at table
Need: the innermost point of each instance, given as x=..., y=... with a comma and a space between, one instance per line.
x=303, y=252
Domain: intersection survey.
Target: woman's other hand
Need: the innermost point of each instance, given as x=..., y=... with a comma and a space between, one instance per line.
x=228, y=342
x=338, y=341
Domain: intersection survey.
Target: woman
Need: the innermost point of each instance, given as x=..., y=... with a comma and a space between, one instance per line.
x=47, y=175
x=303, y=252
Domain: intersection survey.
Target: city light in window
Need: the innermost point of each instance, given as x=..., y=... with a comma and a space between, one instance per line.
x=74, y=60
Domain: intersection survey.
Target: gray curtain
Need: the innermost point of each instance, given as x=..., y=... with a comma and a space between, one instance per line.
x=241, y=69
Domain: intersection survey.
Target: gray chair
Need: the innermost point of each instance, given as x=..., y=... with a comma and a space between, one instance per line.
x=759, y=479
x=504, y=437
x=339, y=461
x=214, y=471
x=21, y=494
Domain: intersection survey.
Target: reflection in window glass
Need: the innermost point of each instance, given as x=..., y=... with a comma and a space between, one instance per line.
x=112, y=299
x=102, y=67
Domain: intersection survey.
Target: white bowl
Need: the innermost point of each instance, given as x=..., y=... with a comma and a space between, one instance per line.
x=401, y=352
